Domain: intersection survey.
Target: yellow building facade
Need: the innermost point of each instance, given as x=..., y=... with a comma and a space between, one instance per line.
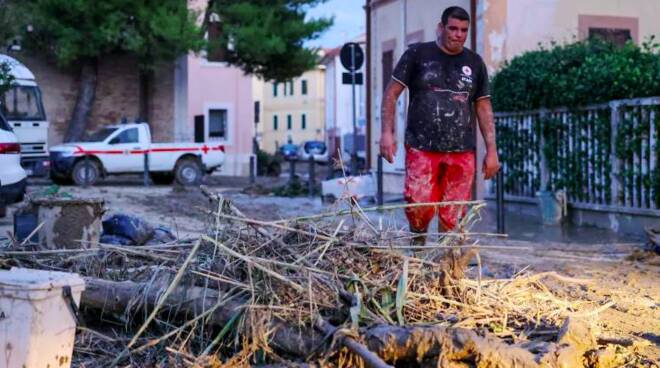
x=293, y=112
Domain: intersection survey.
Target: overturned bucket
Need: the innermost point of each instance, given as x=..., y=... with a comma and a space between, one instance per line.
x=68, y=223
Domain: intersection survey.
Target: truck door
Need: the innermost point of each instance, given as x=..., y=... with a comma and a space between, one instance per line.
x=125, y=152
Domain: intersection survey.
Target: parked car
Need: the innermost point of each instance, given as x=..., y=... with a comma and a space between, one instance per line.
x=12, y=175
x=316, y=149
x=288, y=151
x=120, y=149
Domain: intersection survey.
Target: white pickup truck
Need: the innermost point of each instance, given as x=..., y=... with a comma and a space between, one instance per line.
x=121, y=149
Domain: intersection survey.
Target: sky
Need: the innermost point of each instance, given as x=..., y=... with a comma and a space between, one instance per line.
x=349, y=21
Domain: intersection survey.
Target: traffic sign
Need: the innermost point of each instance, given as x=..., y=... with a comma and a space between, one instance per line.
x=351, y=62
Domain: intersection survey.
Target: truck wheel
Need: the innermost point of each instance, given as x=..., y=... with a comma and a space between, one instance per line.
x=3, y=210
x=86, y=172
x=188, y=172
x=162, y=178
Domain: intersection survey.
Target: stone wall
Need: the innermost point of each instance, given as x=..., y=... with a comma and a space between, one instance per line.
x=117, y=94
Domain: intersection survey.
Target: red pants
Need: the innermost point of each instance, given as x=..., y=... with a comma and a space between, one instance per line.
x=437, y=177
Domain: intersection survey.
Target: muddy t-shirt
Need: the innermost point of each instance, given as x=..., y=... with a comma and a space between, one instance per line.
x=442, y=89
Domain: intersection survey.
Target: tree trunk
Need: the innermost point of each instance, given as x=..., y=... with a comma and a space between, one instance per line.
x=446, y=346
x=84, y=101
x=145, y=95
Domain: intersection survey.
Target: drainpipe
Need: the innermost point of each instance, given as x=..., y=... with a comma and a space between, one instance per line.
x=367, y=69
x=473, y=25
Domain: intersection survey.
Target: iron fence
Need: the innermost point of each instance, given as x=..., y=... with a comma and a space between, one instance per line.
x=601, y=155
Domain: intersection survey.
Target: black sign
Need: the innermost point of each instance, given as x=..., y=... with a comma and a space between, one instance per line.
x=351, y=62
x=347, y=78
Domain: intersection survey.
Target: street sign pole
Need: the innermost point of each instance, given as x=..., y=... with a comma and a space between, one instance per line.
x=354, y=150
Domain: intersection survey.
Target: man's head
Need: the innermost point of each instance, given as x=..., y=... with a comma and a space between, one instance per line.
x=453, y=29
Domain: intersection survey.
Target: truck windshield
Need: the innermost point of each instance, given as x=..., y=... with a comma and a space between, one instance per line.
x=98, y=136
x=22, y=103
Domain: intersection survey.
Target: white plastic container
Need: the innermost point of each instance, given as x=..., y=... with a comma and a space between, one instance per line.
x=37, y=324
x=358, y=187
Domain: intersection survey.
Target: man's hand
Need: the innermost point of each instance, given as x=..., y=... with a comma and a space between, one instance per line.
x=491, y=165
x=387, y=146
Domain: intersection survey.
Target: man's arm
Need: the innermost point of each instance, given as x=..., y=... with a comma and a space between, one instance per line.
x=487, y=126
x=388, y=109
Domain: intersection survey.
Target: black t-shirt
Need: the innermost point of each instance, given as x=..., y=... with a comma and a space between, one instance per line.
x=442, y=89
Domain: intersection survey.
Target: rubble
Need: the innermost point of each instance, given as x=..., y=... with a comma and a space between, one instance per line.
x=330, y=290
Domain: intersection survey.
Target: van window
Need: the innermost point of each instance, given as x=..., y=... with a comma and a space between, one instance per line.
x=22, y=103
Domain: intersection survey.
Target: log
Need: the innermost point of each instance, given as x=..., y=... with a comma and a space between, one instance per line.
x=377, y=344
x=116, y=297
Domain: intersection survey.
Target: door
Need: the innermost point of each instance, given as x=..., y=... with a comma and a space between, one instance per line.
x=199, y=129
x=125, y=152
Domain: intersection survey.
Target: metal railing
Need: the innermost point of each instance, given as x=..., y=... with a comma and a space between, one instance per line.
x=603, y=155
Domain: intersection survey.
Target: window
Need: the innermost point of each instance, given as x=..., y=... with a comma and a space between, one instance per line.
x=303, y=87
x=274, y=122
x=218, y=123
x=274, y=89
x=22, y=103
x=3, y=124
x=388, y=67
x=127, y=136
x=618, y=37
x=257, y=111
x=291, y=88
x=288, y=122
x=303, y=120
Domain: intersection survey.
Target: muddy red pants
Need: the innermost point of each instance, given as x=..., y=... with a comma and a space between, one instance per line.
x=437, y=177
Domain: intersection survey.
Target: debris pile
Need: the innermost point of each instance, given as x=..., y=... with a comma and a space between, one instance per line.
x=332, y=290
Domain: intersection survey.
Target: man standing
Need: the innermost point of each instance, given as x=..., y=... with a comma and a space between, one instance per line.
x=445, y=81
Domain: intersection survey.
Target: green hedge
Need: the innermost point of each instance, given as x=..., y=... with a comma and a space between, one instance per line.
x=577, y=74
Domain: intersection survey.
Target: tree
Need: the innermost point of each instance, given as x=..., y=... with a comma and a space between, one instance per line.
x=266, y=37
x=81, y=32
x=6, y=79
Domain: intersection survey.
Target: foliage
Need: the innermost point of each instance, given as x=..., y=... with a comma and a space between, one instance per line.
x=80, y=29
x=268, y=165
x=6, y=79
x=577, y=143
x=577, y=74
x=266, y=37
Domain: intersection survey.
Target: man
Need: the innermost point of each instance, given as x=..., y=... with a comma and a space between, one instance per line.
x=445, y=81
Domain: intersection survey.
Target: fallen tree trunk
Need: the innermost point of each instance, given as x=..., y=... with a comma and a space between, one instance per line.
x=377, y=344
x=117, y=297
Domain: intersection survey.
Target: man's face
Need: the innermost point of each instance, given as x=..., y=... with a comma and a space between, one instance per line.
x=453, y=34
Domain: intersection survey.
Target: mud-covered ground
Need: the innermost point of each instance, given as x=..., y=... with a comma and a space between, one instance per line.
x=633, y=285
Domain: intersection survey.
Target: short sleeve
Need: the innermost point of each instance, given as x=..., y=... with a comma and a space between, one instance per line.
x=404, y=68
x=482, y=89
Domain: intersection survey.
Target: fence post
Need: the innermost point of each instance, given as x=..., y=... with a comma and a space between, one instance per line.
x=292, y=170
x=544, y=168
x=312, y=179
x=86, y=182
x=379, y=180
x=501, y=228
x=146, y=168
x=253, y=171
x=616, y=163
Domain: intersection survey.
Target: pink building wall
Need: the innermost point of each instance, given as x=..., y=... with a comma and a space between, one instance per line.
x=215, y=85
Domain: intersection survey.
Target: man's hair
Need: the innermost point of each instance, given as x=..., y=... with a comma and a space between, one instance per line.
x=455, y=12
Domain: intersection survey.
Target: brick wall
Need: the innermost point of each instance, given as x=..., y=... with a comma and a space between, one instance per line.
x=117, y=94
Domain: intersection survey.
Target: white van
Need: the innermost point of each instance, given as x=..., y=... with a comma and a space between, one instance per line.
x=23, y=108
x=12, y=175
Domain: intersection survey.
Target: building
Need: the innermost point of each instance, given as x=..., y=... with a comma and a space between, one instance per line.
x=190, y=99
x=293, y=111
x=502, y=30
x=339, y=104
